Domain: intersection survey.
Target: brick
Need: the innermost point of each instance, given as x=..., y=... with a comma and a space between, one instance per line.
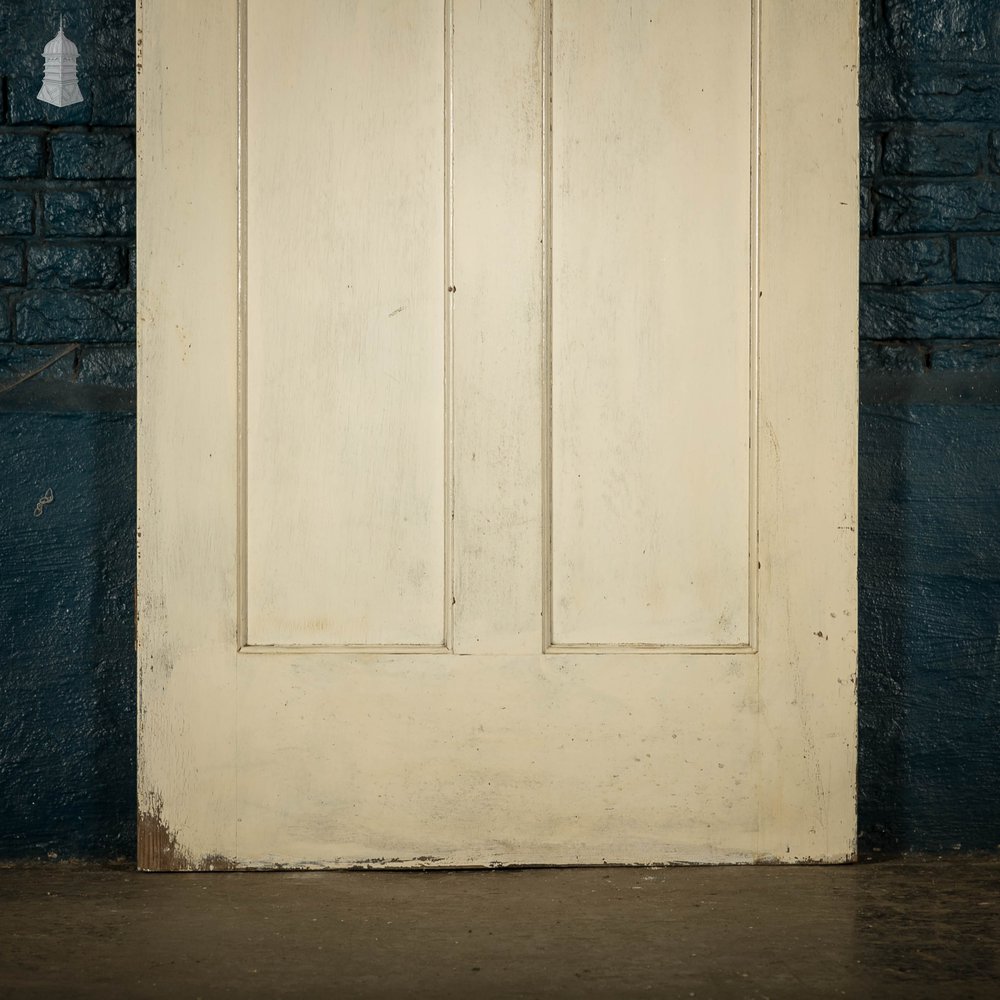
x=994, y=151
x=960, y=314
x=868, y=152
x=11, y=264
x=966, y=357
x=866, y=210
x=104, y=31
x=21, y=156
x=114, y=41
x=5, y=328
x=131, y=266
x=86, y=266
x=24, y=108
x=114, y=100
x=104, y=212
x=905, y=262
x=942, y=30
x=92, y=155
x=90, y=317
x=878, y=357
x=903, y=91
x=22, y=37
x=17, y=213
x=16, y=359
x=110, y=365
x=875, y=47
x=104, y=364
x=978, y=258
x=938, y=207
x=939, y=153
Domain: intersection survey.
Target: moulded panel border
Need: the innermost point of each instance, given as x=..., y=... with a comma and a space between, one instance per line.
x=242, y=599
x=753, y=563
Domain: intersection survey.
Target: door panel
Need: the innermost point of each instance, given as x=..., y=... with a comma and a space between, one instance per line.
x=507, y=553
x=345, y=339
x=652, y=329
x=491, y=760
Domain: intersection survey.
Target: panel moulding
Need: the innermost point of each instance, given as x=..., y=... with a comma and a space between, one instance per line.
x=242, y=600
x=753, y=208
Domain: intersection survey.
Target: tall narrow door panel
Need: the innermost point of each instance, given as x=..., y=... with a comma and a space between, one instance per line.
x=653, y=231
x=345, y=332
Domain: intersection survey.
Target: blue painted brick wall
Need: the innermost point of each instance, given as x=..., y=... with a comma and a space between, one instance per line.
x=929, y=465
x=67, y=179
x=930, y=127
x=67, y=425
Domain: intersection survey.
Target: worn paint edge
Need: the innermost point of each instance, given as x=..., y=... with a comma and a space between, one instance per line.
x=159, y=850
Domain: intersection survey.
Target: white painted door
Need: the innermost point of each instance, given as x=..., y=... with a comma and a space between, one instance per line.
x=497, y=432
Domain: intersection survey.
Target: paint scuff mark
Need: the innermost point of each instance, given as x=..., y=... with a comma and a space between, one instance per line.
x=159, y=851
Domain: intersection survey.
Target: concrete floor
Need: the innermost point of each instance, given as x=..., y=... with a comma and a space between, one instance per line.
x=910, y=928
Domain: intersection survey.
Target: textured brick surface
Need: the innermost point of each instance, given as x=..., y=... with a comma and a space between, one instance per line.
x=922, y=93
x=978, y=259
x=929, y=565
x=94, y=265
x=92, y=212
x=875, y=356
x=926, y=32
x=866, y=211
x=21, y=155
x=868, y=152
x=962, y=357
x=930, y=164
x=67, y=192
x=951, y=314
x=905, y=261
x=92, y=156
x=111, y=365
x=943, y=152
x=103, y=31
x=929, y=686
x=24, y=108
x=57, y=317
x=67, y=687
x=67, y=663
x=939, y=207
x=114, y=100
x=11, y=264
x=17, y=209
x=994, y=145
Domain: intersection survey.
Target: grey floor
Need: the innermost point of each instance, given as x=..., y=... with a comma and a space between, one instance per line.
x=917, y=927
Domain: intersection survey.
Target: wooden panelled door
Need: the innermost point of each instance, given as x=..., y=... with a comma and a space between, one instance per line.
x=497, y=432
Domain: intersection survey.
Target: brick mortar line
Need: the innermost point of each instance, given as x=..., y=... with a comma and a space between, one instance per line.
x=989, y=180
x=897, y=60
x=947, y=234
x=986, y=287
x=42, y=131
x=888, y=124
x=923, y=234
x=15, y=239
x=66, y=185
